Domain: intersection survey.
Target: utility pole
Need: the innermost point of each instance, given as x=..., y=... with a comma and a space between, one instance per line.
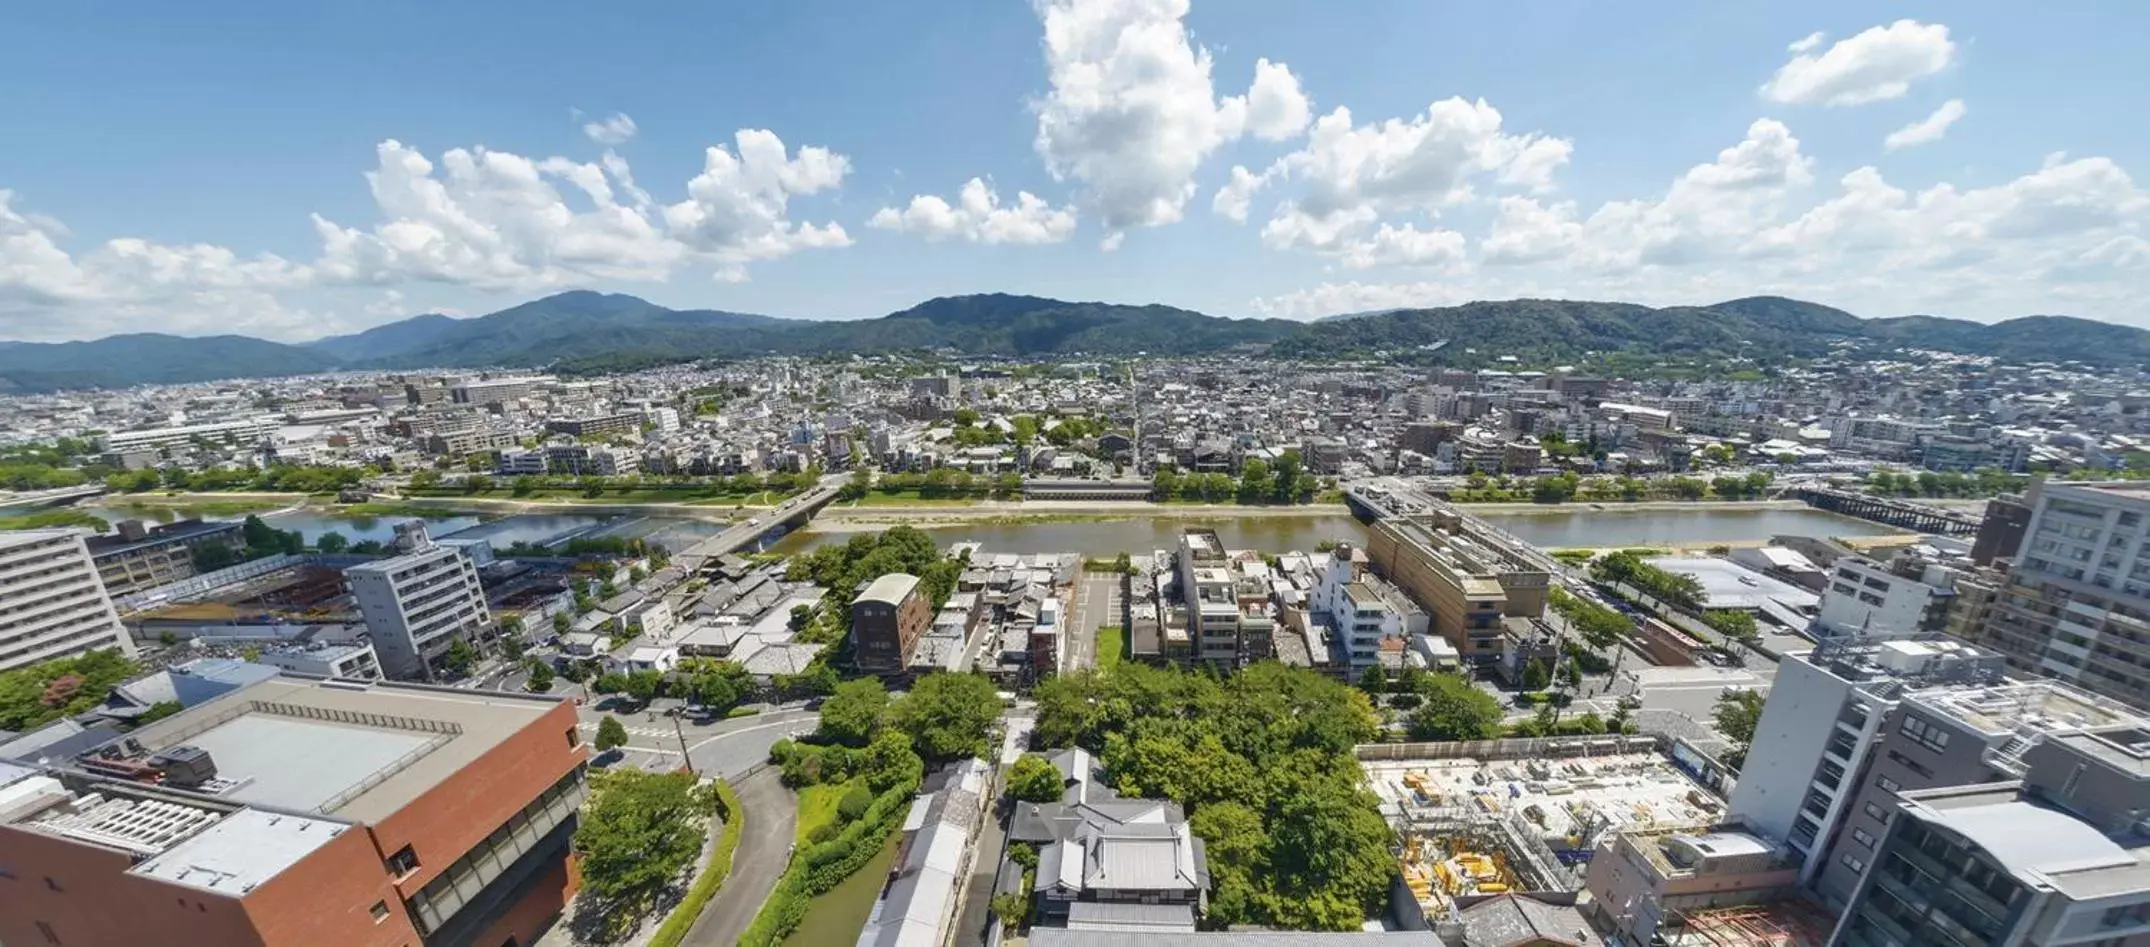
x=681, y=733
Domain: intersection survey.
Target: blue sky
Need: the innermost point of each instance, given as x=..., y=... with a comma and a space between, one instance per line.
x=295, y=170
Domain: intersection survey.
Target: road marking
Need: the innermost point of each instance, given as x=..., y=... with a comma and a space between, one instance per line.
x=810, y=726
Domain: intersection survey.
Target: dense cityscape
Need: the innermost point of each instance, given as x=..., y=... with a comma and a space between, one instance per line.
x=911, y=649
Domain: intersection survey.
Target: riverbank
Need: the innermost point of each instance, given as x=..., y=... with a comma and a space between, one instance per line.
x=522, y=505
x=1638, y=506
x=1856, y=543
x=842, y=515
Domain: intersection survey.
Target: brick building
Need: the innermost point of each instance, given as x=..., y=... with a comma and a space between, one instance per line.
x=296, y=811
x=886, y=622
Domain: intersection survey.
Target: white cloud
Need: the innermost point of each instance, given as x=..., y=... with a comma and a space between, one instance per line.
x=1276, y=108
x=1405, y=246
x=488, y=220
x=2066, y=237
x=613, y=129
x=977, y=216
x=1873, y=66
x=1237, y=194
x=1132, y=112
x=1811, y=42
x=1928, y=129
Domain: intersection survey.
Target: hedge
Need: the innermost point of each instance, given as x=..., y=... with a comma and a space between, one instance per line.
x=822, y=867
x=675, y=926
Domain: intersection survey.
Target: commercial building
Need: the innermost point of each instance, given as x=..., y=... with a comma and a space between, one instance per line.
x=417, y=604
x=1646, y=882
x=1468, y=578
x=887, y=620
x=575, y=460
x=302, y=813
x=353, y=660
x=2077, y=602
x=2060, y=855
x=51, y=602
x=135, y=557
x=597, y=426
x=243, y=433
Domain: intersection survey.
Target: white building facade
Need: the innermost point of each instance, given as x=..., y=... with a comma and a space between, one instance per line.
x=416, y=604
x=52, y=603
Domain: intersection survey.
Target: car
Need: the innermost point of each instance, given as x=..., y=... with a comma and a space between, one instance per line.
x=607, y=758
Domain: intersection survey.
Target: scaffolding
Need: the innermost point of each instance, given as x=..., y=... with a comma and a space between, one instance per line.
x=1777, y=924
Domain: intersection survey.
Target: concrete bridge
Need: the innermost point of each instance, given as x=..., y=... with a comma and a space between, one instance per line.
x=1890, y=511
x=750, y=535
x=63, y=495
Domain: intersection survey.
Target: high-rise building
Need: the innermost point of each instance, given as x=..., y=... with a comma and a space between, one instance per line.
x=1855, y=725
x=1363, y=612
x=2000, y=532
x=1909, y=595
x=417, y=604
x=2058, y=855
x=52, y=603
x=2077, y=602
x=1468, y=577
x=296, y=813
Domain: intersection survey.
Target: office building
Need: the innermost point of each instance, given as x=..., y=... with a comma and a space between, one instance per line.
x=417, y=604
x=135, y=557
x=575, y=460
x=302, y=813
x=2077, y=602
x=355, y=660
x=2000, y=532
x=1362, y=612
x=2058, y=855
x=887, y=620
x=245, y=432
x=1468, y=577
x=51, y=602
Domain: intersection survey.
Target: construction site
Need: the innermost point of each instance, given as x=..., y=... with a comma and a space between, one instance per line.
x=1523, y=816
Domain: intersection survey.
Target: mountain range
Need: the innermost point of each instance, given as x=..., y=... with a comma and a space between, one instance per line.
x=589, y=331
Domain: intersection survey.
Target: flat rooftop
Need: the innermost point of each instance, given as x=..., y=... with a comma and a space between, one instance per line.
x=2045, y=706
x=1727, y=584
x=357, y=753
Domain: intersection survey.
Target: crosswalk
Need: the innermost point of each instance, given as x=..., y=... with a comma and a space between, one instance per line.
x=665, y=732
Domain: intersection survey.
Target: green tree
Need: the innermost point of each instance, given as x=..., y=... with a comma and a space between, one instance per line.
x=332, y=542
x=638, y=832
x=947, y=716
x=1013, y=910
x=891, y=762
x=1455, y=710
x=1536, y=675
x=1737, y=713
x=719, y=686
x=541, y=677
x=1374, y=680
x=643, y=686
x=853, y=714
x=460, y=658
x=611, y=734
x=561, y=624
x=1033, y=779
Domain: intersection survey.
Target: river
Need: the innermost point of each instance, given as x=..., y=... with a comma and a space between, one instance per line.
x=1550, y=528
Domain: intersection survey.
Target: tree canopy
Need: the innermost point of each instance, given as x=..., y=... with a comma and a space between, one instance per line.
x=1262, y=761
x=639, y=831
x=1032, y=779
x=853, y=714
x=1451, y=709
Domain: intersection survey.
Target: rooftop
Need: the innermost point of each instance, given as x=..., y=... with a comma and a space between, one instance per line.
x=890, y=589
x=335, y=748
x=181, y=531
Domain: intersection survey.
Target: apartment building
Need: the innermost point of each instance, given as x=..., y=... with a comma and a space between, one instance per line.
x=242, y=432
x=2077, y=602
x=51, y=602
x=1907, y=596
x=597, y=425
x=294, y=813
x=887, y=619
x=2060, y=854
x=496, y=390
x=417, y=604
x=1469, y=579
x=136, y=557
x=575, y=460
x=1852, y=728
x=1362, y=611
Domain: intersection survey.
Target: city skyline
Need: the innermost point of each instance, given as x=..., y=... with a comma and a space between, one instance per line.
x=1243, y=160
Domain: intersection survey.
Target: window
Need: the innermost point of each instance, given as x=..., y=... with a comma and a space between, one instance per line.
x=574, y=737
x=1929, y=736
x=1854, y=863
x=1910, y=764
x=379, y=911
x=2128, y=915
x=1863, y=837
x=1877, y=813
x=403, y=862
x=1887, y=784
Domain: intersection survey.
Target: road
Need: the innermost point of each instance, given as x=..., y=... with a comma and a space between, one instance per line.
x=764, y=849
x=721, y=748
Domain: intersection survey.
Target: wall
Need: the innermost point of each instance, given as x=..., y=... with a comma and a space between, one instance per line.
x=329, y=897
x=1796, y=722
x=98, y=903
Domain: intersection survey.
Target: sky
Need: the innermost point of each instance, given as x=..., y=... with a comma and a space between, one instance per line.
x=291, y=171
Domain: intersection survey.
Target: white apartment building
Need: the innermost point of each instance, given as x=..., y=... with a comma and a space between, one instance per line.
x=1864, y=597
x=417, y=604
x=1363, y=611
x=52, y=604
x=2077, y=602
x=243, y=432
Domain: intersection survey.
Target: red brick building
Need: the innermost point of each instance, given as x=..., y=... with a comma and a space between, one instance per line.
x=302, y=812
x=887, y=620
